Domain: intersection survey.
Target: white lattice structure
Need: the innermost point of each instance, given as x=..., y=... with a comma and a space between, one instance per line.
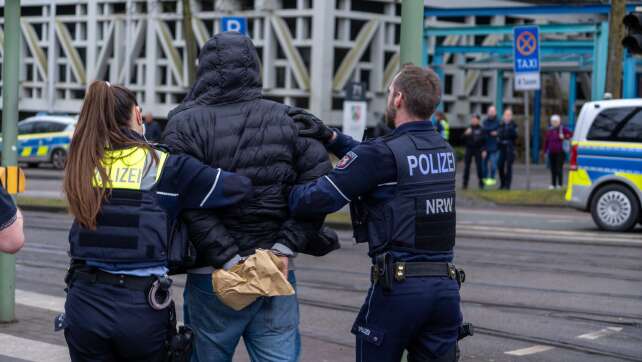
x=309, y=50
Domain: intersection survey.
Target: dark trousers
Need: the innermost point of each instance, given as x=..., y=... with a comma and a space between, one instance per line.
x=473, y=153
x=108, y=323
x=420, y=315
x=556, y=161
x=505, y=164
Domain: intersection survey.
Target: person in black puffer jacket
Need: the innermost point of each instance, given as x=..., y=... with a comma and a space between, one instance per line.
x=224, y=121
x=475, y=141
x=507, y=136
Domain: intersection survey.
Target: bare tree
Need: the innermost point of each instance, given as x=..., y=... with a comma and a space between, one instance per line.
x=616, y=34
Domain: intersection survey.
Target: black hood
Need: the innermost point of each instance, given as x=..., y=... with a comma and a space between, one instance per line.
x=228, y=72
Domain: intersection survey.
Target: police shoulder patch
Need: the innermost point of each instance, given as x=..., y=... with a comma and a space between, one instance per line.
x=346, y=160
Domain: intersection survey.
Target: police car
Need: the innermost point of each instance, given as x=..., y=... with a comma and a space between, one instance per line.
x=45, y=139
x=606, y=163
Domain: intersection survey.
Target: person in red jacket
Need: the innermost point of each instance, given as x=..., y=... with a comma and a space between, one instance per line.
x=554, y=148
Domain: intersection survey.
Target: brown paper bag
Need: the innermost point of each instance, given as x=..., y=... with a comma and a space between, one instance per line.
x=258, y=276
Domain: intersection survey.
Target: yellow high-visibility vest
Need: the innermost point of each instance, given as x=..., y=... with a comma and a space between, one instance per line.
x=131, y=168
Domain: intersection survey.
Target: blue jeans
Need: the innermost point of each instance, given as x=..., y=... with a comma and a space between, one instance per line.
x=493, y=157
x=269, y=326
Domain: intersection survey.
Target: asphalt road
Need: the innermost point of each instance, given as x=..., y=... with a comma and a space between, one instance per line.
x=543, y=285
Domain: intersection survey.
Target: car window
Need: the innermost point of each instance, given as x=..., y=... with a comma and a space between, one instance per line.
x=610, y=123
x=56, y=127
x=48, y=127
x=40, y=127
x=26, y=128
x=632, y=130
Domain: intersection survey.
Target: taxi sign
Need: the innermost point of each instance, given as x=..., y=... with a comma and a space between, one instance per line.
x=12, y=179
x=526, y=64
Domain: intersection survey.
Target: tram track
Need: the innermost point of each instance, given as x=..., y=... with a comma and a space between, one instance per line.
x=633, y=320
x=37, y=262
x=619, y=319
x=480, y=329
x=332, y=284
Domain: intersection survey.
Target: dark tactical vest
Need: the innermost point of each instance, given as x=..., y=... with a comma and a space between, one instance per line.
x=420, y=218
x=131, y=227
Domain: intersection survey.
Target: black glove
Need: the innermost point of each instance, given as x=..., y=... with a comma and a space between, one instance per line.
x=310, y=126
x=322, y=243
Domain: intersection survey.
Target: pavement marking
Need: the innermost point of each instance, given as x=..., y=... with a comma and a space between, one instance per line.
x=31, y=350
x=578, y=237
x=601, y=333
x=39, y=300
x=33, y=249
x=529, y=350
x=44, y=194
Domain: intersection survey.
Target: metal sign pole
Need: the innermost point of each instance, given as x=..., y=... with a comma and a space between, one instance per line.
x=10, y=71
x=526, y=65
x=527, y=141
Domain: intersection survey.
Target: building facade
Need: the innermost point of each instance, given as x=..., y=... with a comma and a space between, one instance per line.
x=309, y=50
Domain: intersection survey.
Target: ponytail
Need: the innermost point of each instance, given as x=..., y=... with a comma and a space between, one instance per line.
x=102, y=124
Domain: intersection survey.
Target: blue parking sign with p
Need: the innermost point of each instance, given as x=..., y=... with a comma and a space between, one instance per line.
x=234, y=23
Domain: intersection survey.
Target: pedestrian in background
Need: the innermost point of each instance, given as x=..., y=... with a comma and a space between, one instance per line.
x=381, y=129
x=153, y=132
x=490, y=126
x=507, y=136
x=443, y=125
x=11, y=235
x=475, y=142
x=554, y=149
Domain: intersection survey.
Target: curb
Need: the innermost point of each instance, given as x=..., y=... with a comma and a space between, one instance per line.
x=42, y=208
x=556, y=240
x=530, y=205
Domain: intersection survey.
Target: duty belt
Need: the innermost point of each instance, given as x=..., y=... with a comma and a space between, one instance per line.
x=158, y=290
x=385, y=271
x=117, y=280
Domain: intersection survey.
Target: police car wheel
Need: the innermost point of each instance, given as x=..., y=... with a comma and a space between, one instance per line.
x=58, y=159
x=615, y=208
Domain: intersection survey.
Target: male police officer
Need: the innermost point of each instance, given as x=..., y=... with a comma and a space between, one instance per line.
x=402, y=193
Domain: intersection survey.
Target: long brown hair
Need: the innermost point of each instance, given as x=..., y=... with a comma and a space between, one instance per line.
x=103, y=124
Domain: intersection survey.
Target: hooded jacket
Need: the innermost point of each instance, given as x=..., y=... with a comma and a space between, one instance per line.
x=224, y=121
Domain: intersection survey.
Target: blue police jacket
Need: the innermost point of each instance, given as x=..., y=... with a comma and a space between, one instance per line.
x=368, y=176
x=491, y=125
x=136, y=231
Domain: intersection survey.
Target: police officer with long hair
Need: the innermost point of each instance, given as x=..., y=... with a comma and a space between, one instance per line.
x=401, y=190
x=126, y=196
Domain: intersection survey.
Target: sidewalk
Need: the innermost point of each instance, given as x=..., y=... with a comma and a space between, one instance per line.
x=32, y=338
x=540, y=176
